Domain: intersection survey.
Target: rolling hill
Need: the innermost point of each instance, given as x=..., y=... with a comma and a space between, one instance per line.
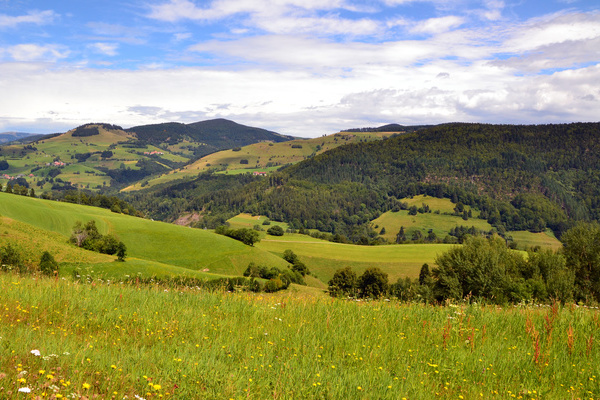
x=262, y=157
x=157, y=245
x=99, y=156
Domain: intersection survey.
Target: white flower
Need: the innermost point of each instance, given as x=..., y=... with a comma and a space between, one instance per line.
x=24, y=390
x=36, y=353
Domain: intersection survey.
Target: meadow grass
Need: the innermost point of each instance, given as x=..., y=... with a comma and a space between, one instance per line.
x=112, y=341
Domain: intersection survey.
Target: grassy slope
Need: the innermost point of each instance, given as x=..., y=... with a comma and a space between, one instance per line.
x=146, y=240
x=260, y=154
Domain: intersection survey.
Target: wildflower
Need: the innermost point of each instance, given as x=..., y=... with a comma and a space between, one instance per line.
x=86, y=385
x=24, y=390
x=36, y=353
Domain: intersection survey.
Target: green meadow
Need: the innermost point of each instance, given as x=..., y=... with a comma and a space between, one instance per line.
x=62, y=339
x=323, y=258
x=150, y=242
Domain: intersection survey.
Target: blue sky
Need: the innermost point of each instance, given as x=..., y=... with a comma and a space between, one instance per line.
x=299, y=67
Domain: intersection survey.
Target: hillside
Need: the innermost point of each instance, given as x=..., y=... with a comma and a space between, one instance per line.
x=260, y=157
x=104, y=156
x=153, y=247
x=516, y=177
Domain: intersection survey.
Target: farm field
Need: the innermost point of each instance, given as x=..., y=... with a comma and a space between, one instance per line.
x=63, y=339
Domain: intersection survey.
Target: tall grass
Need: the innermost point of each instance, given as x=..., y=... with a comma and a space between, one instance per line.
x=113, y=341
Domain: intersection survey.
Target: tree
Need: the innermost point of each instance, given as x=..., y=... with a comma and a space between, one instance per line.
x=582, y=252
x=401, y=236
x=424, y=275
x=121, y=251
x=343, y=283
x=275, y=230
x=48, y=265
x=373, y=283
x=4, y=165
x=481, y=268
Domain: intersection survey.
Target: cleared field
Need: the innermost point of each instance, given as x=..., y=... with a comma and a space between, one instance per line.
x=526, y=240
x=439, y=223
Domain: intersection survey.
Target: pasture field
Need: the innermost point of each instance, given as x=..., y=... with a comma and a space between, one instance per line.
x=526, y=240
x=61, y=339
x=323, y=258
x=440, y=223
x=158, y=242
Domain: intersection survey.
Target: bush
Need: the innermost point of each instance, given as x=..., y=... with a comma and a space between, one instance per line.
x=48, y=265
x=11, y=258
x=275, y=231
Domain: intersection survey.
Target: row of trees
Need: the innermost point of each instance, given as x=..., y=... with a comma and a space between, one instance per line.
x=486, y=268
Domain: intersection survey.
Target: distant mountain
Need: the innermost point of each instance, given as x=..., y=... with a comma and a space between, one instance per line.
x=102, y=156
x=6, y=137
x=396, y=128
x=216, y=134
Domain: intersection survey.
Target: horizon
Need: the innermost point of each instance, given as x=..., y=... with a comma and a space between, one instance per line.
x=298, y=67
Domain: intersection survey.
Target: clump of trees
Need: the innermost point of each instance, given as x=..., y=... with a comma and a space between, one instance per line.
x=277, y=279
x=275, y=231
x=244, y=235
x=487, y=269
x=87, y=236
x=297, y=265
x=373, y=283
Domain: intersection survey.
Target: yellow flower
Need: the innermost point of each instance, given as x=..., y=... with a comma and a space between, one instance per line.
x=157, y=387
x=86, y=386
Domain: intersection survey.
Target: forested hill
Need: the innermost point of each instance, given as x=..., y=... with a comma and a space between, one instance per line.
x=217, y=134
x=519, y=177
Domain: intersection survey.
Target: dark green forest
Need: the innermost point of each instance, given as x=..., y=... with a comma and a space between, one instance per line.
x=520, y=177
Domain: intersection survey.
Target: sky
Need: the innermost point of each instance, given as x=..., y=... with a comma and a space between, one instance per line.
x=298, y=67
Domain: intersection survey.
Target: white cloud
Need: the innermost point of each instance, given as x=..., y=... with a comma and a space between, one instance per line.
x=107, y=49
x=438, y=25
x=554, y=29
x=275, y=16
x=33, y=17
x=34, y=52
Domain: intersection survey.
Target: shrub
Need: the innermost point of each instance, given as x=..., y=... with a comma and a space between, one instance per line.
x=275, y=231
x=11, y=258
x=48, y=265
